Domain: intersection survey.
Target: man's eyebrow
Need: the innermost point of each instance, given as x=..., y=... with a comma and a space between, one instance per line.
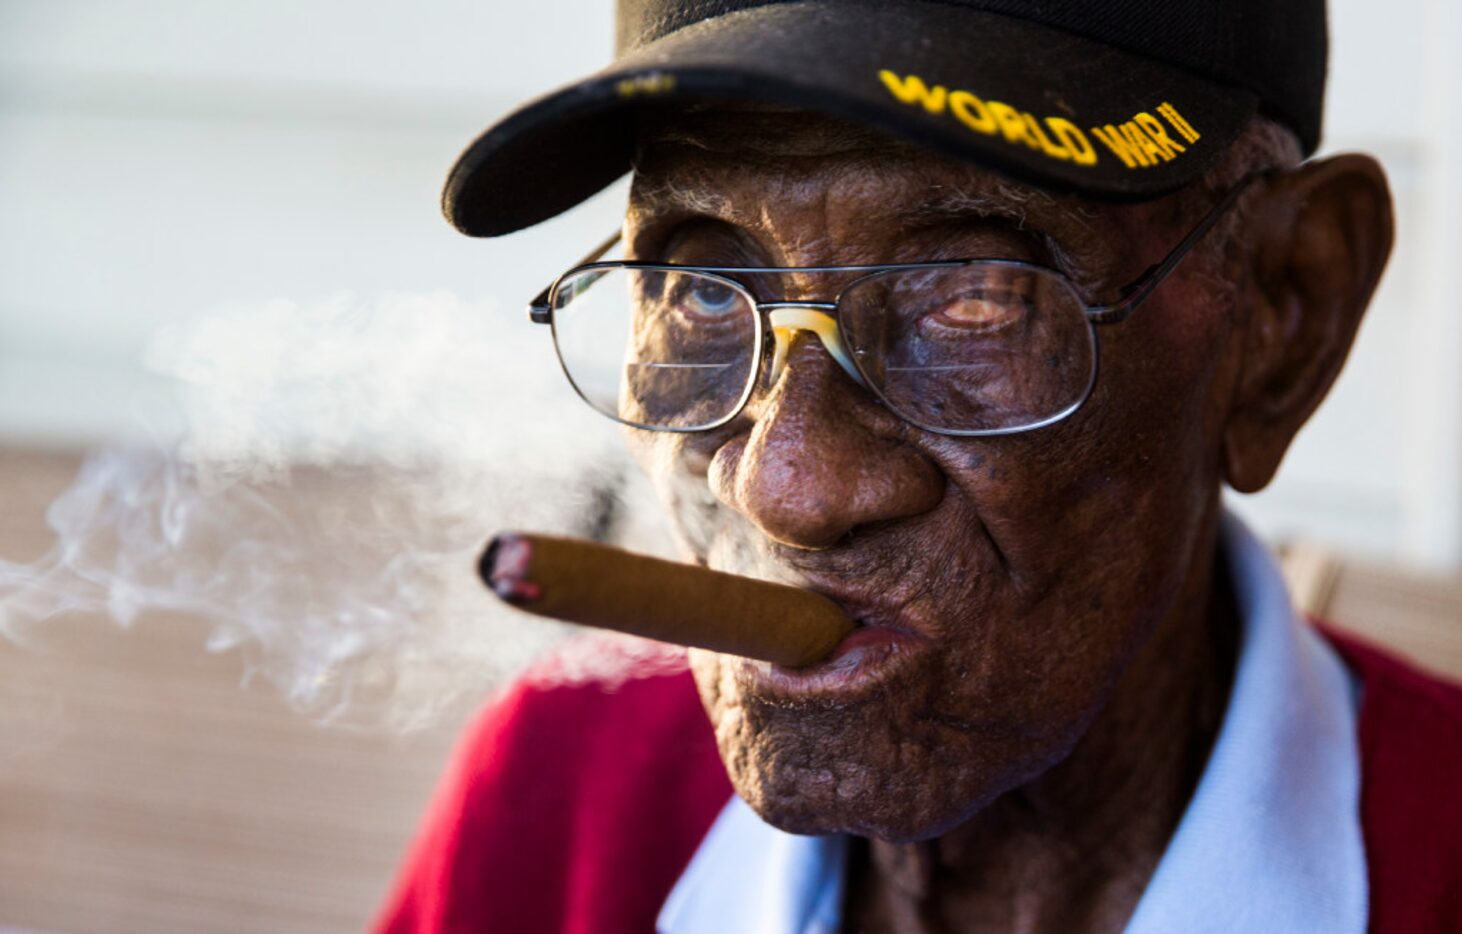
x=946, y=204
x=656, y=196
x=1065, y=229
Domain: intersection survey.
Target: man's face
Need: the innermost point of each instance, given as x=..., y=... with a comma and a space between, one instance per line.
x=1008, y=580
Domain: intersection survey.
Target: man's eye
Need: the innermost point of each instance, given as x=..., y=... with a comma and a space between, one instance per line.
x=707, y=298
x=983, y=312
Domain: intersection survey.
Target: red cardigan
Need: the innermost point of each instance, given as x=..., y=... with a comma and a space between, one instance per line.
x=575, y=810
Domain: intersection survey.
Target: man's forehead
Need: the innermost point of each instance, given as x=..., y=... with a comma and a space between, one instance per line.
x=740, y=163
x=689, y=156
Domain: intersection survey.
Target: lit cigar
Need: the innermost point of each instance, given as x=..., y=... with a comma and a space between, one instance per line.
x=594, y=585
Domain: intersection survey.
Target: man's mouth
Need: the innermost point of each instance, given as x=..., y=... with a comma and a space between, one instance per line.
x=880, y=644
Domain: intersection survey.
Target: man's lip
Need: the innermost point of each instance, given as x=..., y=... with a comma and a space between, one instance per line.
x=902, y=631
x=866, y=612
x=867, y=657
x=884, y=640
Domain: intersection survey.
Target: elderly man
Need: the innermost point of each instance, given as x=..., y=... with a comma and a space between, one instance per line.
x=960, y=313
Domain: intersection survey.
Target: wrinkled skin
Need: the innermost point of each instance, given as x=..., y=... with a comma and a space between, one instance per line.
x=1074, y=638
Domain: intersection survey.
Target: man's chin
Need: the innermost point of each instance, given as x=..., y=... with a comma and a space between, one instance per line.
x=876, y=764
x=823, y=771
x=896, y=818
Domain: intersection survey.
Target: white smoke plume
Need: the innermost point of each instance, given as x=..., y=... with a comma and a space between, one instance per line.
x=339, y=466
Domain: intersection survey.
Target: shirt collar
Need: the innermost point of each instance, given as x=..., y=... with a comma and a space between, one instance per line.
x=1270, y=841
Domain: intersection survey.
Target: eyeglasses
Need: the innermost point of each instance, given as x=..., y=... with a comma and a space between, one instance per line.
x=964, y=347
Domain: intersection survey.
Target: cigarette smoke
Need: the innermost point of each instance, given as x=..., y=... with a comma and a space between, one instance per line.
x=320, y=509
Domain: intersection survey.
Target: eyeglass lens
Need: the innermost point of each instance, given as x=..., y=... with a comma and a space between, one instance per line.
x=980, y=347
x=655, y=348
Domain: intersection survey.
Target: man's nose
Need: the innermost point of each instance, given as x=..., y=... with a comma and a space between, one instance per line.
x=821, y=459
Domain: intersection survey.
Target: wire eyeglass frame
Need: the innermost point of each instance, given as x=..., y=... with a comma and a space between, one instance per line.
x=540, y=310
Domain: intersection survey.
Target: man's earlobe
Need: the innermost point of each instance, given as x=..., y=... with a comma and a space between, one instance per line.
x=1320, y=239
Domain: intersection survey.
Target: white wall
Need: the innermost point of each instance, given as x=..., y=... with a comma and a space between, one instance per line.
x=1379, y=469
x=160, y=157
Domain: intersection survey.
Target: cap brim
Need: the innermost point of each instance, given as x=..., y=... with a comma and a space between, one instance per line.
x=1033, y=102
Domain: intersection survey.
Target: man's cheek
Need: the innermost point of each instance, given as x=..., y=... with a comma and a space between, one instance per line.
x=683, y=493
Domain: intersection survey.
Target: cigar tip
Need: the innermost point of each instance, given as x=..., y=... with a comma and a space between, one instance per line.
x=504, y=568
x=488, y=561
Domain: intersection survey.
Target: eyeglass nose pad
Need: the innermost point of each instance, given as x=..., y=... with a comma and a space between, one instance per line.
x=786, y=322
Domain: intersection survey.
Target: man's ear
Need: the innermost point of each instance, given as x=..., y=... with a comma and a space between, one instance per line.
x=1321, y=237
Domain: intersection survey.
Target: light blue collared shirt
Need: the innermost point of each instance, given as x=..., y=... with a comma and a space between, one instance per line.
x=1270, y=842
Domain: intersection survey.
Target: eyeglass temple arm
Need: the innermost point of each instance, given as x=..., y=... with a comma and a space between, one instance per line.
x=538, y=310
x=1148, y=282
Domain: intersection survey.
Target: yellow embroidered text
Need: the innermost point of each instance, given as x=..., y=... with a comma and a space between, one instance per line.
x=1144, y=141
x=1055, y=137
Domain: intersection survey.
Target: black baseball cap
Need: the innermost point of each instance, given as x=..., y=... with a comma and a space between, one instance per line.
x=1110, y=99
